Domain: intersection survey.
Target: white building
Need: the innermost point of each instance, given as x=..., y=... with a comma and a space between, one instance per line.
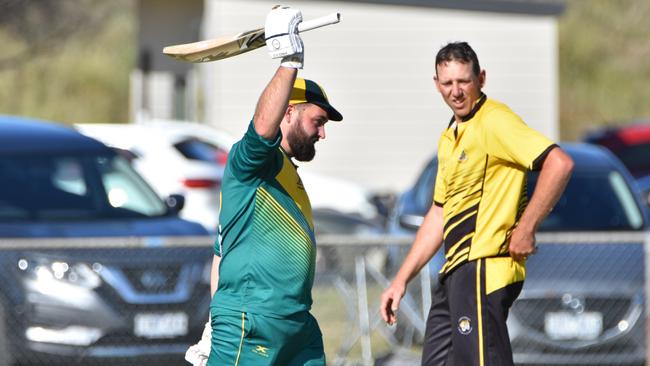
x=377, y=67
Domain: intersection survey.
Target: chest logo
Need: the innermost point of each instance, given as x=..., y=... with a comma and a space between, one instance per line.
x=261, y=350
x=462, y=157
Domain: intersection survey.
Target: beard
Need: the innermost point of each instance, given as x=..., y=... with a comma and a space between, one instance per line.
x=302, y=146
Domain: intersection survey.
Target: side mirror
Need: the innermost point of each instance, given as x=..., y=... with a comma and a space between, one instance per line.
x=175, y=202
x=411, y=222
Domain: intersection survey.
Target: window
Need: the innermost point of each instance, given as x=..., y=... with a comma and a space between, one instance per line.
x=195, y=149
x=593, y=201
x=46, y=187
x=126, y=190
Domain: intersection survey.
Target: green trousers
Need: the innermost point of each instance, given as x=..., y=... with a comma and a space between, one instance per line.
x=245, y=339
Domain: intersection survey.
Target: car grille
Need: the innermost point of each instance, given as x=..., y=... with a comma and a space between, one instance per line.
x=153, y=280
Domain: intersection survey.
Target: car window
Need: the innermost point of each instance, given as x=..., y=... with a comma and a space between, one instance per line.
x=126, y=190
x=424, y=186
x=593, y=201
x=68, y=176
x=635, y=158
x=73, y=187
x=195, y=149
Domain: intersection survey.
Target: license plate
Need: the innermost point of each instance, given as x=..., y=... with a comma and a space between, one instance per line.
x=160, y=325
x=565, y=325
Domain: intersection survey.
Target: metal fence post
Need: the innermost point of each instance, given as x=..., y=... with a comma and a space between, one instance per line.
x=425, y=284
x=364, y=317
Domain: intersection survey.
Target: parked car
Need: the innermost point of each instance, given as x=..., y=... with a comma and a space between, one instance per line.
x=335, y=194
x=175, y=158
x=68, y=297
x=644, y=186
x=630, y=143
x=334, y=259
x=582, y=303
x=189, y=158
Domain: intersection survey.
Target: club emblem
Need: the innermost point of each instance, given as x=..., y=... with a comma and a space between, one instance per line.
x=462, y=157
x=464, y=325
x=276, y=44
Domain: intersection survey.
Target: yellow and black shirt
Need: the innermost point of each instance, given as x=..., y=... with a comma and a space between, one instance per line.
x=481, y=181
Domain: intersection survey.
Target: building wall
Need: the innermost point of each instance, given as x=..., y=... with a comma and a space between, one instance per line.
x=377, y=67
x=161, y=86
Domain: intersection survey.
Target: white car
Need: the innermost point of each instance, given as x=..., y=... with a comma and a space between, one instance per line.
x=188, y=158
x=175, y=158
x=327, y=193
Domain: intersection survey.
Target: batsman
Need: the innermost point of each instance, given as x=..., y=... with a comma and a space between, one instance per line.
x=264, y=261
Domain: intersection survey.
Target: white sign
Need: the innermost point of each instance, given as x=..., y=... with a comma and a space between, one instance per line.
x=567, y=325
x=160, y=325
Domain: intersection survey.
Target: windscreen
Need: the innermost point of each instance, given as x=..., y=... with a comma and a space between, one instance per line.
x=73, y=188
x=593, y=201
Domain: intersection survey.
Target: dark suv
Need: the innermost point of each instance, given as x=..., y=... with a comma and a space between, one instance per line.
x=583, y=302
x=95, y=267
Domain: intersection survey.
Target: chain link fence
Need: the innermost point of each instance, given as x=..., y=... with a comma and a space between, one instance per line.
x=583, y=302
x=131, y=301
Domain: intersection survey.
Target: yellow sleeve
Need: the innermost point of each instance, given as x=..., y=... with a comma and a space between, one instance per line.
x=507, y=137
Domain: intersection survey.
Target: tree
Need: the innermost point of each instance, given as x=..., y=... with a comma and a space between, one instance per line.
x=36, y=27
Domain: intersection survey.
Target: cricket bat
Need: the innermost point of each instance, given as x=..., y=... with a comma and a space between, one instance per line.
x=228, y=46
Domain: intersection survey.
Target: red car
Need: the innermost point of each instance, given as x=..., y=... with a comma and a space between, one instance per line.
x=630, y=143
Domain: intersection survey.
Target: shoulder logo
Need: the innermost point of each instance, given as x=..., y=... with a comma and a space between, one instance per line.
x=261, y=351
x=464, y=325
x=462, y=157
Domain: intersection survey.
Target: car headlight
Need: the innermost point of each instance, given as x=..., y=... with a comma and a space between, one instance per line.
x=78, y=274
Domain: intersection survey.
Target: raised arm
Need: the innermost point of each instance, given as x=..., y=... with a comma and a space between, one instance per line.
x=283, y=42
x=553, y=178
x=273, y=102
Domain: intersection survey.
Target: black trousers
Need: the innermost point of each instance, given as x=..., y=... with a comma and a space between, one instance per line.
x=466, y=325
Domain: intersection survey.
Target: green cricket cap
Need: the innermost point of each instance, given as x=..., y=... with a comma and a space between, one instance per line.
x=308, y=91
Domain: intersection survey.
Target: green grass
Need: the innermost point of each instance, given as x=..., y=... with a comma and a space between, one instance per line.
x=330, y=311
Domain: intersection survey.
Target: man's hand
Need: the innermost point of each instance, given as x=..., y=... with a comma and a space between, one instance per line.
x=282, y=39
x=553, y=178
x=198, y=354
x=390, y=302
x=522, y=244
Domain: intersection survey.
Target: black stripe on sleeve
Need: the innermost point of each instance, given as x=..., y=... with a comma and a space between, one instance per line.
x=537, y=163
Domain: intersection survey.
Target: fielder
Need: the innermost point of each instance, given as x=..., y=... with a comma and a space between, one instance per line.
x=482, y=217
x=264, y=261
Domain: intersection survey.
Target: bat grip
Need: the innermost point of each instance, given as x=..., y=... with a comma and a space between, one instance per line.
x=319, y=22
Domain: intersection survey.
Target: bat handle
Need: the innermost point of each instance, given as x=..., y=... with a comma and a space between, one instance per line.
x=319, y=22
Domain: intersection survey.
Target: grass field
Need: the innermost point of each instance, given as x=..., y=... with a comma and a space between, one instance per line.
x=330, y=310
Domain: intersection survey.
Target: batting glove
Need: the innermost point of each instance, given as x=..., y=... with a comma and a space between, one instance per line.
x=198, y=354
x=282, y=39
